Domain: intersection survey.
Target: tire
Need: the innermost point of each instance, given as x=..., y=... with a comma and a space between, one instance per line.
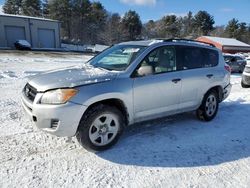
x=100, y=128
x=209, y=107
x=244, y=85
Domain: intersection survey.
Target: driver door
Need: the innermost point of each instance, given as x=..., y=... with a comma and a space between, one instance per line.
x=157, y=93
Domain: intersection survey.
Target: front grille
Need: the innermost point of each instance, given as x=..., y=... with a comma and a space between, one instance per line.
x=30, y=92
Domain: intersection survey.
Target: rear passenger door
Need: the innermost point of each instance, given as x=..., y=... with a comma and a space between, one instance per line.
x=198, y=70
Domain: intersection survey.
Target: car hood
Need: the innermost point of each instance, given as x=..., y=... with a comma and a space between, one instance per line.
x=70, y=77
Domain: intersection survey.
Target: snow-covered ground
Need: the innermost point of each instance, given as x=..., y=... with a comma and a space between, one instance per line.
x=178, y=151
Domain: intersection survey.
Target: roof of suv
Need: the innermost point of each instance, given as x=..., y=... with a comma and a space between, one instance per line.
x=141, y=42
x=154, y=41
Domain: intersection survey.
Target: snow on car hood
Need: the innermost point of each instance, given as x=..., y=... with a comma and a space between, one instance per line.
x=70, y=77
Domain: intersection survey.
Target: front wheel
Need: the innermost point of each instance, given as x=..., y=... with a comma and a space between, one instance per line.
x=209, y=107
x=100, y=128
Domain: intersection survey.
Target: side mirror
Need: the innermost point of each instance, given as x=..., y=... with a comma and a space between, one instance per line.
x=145, y=70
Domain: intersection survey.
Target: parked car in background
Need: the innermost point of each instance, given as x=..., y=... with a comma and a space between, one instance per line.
x=22, y=45
x=237, y=63
x=128, y=83
x=245, y=80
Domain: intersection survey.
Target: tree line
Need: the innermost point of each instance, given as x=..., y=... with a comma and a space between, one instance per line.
x=87, y=22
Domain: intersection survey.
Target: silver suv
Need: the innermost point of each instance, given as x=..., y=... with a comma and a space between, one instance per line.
x=128, y=83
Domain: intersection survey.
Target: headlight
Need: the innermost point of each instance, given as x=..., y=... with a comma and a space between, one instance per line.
x=58, y=96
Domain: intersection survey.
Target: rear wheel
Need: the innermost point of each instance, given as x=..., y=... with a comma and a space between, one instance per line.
x=209, y=107
x=100, y=128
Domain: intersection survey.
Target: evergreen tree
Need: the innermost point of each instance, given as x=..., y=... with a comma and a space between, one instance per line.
x=98, y=18
x=62, y=10
x=12, y=6
x=112, y=31
x=131, y=25
x=81, y=10
x=232, y=28
x=248, y=34
x=149, y=30
x=169, y=27
x=31, y=7
x=238, y=30
x=203, y=22
x=187, y=25
x=242, y=32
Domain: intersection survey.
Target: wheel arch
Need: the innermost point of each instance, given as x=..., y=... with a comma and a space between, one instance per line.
x=115, y=102
x=218, y=89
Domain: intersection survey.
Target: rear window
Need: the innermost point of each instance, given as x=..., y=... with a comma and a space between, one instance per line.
x=194, y=57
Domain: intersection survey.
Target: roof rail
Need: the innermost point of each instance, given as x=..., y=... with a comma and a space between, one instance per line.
x=186, y=40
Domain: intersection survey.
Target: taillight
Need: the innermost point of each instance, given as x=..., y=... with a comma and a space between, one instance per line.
x=228, y=68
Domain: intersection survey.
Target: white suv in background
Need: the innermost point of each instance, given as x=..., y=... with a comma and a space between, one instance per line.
x=128, y=83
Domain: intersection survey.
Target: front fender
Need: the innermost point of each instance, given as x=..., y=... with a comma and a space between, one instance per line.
x=121, y=90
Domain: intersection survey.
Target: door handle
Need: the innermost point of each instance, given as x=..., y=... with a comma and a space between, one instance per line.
x=176, y=80
x=209, y=75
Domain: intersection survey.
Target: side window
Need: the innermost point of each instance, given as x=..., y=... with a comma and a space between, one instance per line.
x=190, y=57
x=160, y=60
x=211, y=58
x=194, y=57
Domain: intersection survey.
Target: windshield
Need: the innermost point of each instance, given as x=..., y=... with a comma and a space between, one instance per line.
x=117, y=58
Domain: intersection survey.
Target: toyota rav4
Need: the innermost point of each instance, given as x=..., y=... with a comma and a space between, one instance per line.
x=128, y=83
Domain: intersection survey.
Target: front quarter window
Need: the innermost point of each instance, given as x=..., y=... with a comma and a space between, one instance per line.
x=117, y=58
